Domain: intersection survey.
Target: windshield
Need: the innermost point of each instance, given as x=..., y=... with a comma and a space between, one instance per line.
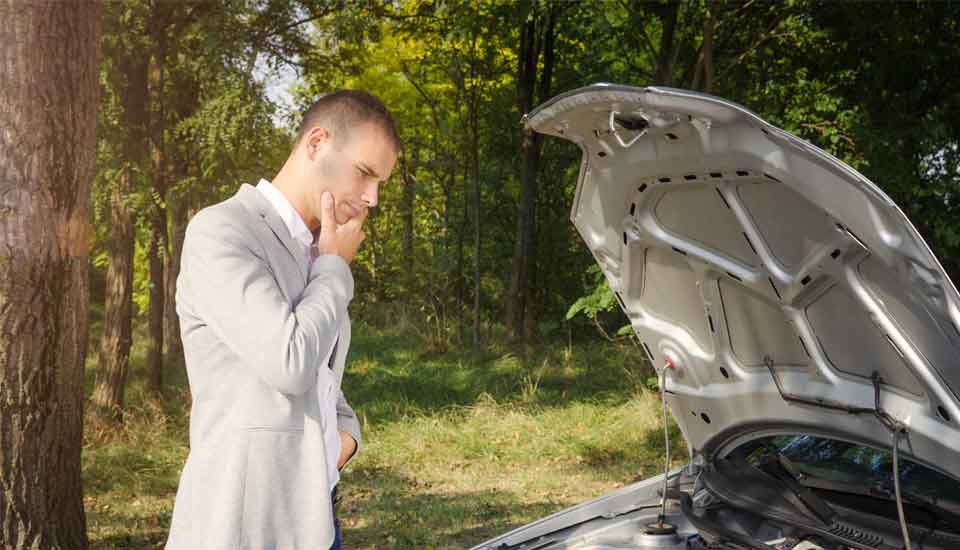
x=850, y=463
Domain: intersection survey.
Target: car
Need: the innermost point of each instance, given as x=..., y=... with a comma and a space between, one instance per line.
x=806, y=338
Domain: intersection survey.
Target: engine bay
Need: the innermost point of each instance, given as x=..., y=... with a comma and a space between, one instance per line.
x=697, y=518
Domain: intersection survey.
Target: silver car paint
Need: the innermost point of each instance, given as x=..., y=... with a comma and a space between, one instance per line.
x=730, y=242
x=736, y=248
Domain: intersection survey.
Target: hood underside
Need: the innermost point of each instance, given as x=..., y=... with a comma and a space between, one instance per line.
x=786, y=288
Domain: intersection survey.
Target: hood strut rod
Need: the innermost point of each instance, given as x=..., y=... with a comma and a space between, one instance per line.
x=896, y=428
x=666, y=441
x=661, y=527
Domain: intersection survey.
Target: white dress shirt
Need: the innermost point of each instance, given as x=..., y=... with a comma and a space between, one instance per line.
x=325, y=383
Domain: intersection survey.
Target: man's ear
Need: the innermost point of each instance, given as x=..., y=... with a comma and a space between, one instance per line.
x=314, y=140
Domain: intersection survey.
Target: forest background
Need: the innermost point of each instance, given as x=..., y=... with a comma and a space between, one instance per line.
x=494, y=375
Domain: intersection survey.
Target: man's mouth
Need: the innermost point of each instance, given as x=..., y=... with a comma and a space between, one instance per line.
x=349, y=209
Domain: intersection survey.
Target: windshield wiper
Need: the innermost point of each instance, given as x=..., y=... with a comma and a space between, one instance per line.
x=944, y=511
x=896, y=428
x=779, y=467
x=938, y=507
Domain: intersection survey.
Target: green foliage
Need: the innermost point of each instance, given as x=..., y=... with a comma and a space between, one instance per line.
x=598, y=302
x=449, y=73
x=601, y=299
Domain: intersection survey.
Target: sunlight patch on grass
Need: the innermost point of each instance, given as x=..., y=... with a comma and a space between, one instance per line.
x=458, y=447
x=479, y=470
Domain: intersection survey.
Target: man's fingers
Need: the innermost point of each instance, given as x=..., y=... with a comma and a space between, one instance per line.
x=328, y=221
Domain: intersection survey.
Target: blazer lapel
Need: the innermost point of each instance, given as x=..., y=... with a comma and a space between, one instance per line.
x=261, y=207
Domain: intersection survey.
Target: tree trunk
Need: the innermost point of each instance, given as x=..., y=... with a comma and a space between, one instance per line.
x=474, y=106
x=128, y=75
x=407, y=168
x=447, y=224
x=157, y=216
x=526, y=79
x=477, y=215
x=178, y=204
x=374, y=247
x=668, y=19
x=155, y=253
x=117, y=320
x=48, y=105
x=461, y=240
x=518, y=294
x=157, y=293
x=544, y=92
x=708, y=27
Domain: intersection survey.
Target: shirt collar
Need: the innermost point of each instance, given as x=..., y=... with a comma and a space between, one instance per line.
x=291, y=218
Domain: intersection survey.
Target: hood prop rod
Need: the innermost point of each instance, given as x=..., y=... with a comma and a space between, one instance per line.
x=896, y=428
x=661, y=527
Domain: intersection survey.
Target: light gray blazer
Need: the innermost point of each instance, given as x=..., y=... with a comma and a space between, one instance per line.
x=257, y=324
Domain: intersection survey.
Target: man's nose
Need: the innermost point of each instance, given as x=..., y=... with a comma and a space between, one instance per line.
x=371, y=195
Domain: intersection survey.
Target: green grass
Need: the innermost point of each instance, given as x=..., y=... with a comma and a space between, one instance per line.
x=131, y=471
x=458, y=447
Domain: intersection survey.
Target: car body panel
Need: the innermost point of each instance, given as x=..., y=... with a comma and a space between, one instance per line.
x=739, y=252
x=634, y=503
x=777, y=289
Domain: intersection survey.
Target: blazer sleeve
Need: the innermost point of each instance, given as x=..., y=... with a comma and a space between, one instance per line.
x=233, y=290
x=347, y=422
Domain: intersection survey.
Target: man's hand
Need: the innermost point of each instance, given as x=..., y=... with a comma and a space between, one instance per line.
x=342, y=240
x=347, y=447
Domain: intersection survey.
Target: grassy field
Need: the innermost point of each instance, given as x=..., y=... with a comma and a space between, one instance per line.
x=458, y=447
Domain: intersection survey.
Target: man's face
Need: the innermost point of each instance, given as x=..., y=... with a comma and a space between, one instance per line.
x=353, y=168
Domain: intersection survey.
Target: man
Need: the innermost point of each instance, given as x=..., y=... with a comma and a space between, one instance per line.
x=262, y=298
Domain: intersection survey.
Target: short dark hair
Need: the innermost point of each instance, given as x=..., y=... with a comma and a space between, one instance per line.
x=340, y=110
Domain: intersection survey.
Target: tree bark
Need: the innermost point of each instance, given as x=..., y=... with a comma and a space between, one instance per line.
x=461, y=241
x=708, y=28
x=178, y=204
x=474, y=106
x=477, y=208
x=532, y=42
x=48, y=105
x=157, y=212
x=526, y=79
x=464, y=221
x=116, y=338
x=668, y=19
x=128, y=76
x=156, y=253
x=374, y=248
x=407, y=167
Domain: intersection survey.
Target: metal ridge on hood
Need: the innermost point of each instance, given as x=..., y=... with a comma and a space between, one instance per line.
x=762, y=267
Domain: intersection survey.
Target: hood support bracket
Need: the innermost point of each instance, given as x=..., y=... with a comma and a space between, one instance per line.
x=641, y=127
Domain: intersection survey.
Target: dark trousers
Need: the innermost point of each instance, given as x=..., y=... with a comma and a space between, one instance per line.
x=336, y=523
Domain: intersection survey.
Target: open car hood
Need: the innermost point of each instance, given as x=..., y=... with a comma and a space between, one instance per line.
x=787, y=290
